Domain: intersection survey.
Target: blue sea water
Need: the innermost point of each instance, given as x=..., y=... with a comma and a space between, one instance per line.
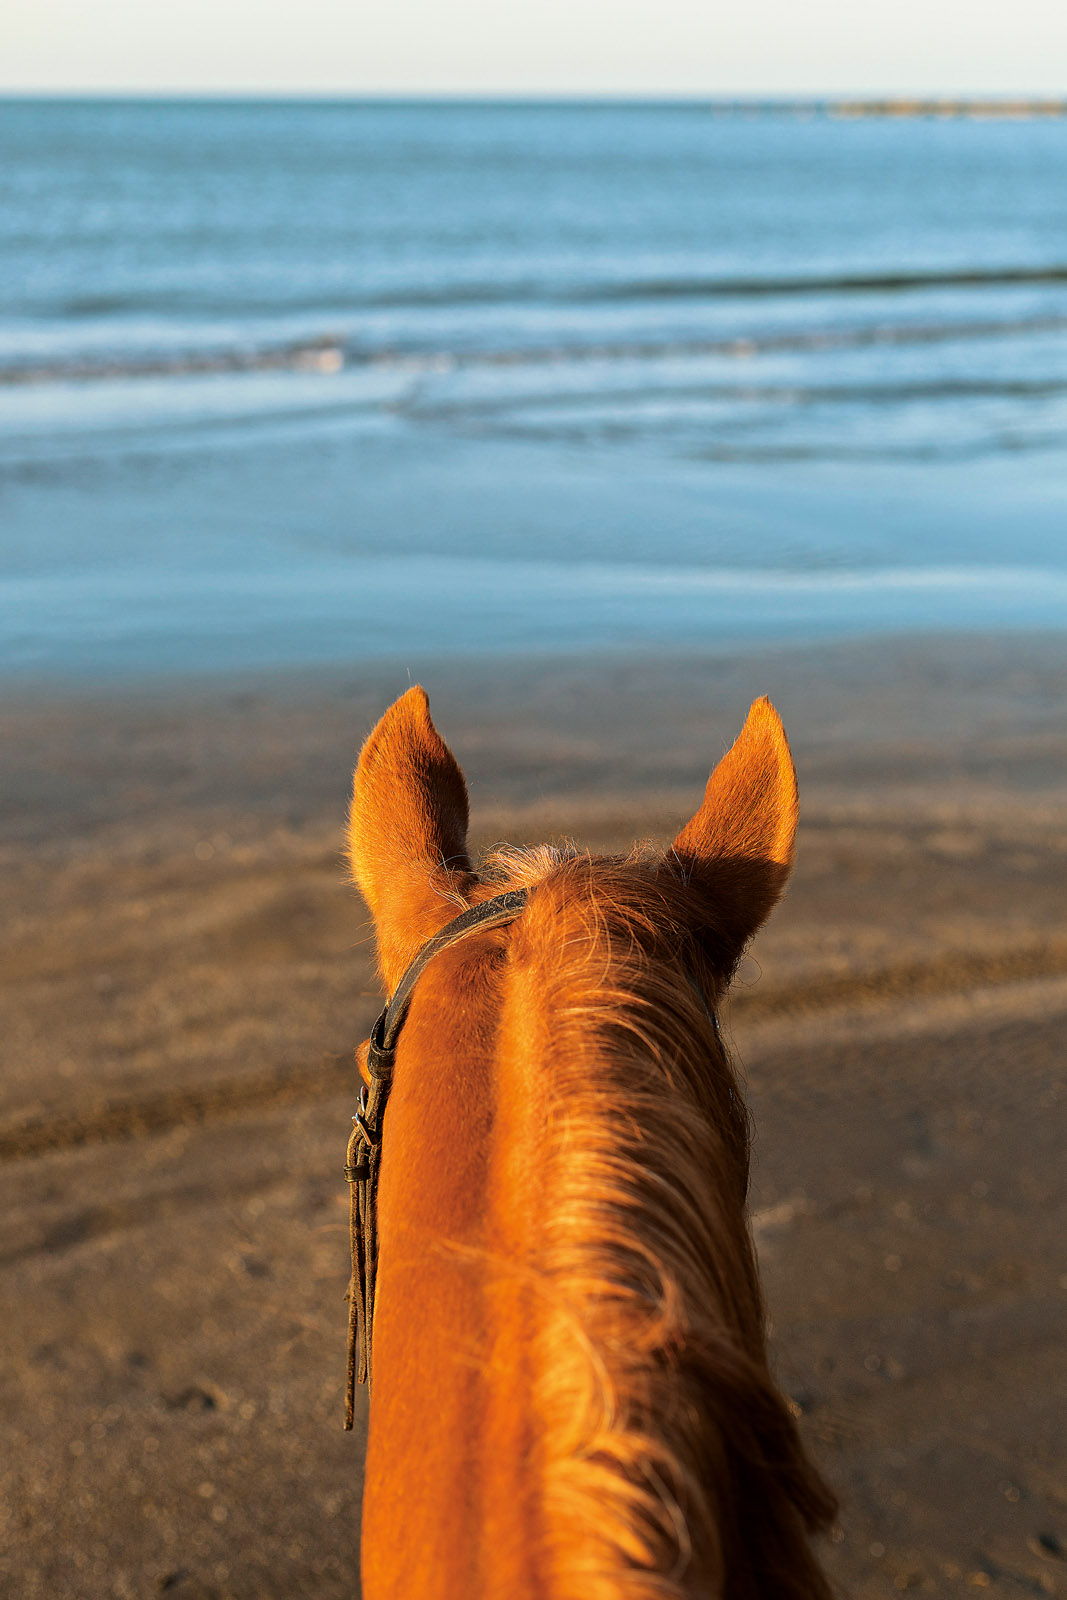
x=308, y=382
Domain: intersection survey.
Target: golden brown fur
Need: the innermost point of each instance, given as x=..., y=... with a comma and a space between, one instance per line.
x=572, y=1395
x=671, y=1463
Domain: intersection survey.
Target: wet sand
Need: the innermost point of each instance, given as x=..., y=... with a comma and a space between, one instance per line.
x=186, y=974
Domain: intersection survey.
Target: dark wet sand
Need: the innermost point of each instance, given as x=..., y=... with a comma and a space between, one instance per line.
x=186, y=974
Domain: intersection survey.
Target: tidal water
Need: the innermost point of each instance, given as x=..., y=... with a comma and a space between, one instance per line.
x=291, y=383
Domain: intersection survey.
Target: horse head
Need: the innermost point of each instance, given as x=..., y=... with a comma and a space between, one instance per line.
x=572, y=1395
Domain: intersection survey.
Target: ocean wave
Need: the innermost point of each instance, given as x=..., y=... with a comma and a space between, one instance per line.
x=890, y=392
x=329, y=354
x=901, y=282
x=705, y=287
x=537, y=290
x=326, y=355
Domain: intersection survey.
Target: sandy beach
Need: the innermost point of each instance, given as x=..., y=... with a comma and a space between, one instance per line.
x=187, y=973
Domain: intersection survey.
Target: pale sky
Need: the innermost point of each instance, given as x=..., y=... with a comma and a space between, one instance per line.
x=531, y=47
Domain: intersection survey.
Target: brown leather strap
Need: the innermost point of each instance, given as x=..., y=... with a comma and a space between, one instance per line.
x=363, y=1159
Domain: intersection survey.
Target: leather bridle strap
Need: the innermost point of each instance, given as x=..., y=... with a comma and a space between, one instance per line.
x=364, y=1156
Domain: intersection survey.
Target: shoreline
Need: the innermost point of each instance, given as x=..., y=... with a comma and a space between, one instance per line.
x=878, y=654
x=362, y=617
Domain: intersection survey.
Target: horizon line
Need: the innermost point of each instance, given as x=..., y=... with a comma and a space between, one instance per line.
x=901, y=103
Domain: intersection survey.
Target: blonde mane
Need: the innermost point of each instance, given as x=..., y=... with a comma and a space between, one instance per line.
x=671, y=1465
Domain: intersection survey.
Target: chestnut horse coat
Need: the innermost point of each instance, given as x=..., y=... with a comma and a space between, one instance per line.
x=571, y=1392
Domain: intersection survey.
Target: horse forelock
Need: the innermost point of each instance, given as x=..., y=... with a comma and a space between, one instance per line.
x=670, y=1463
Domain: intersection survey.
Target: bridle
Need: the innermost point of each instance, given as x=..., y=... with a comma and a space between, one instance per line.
x=363, y=1160
x=364, y=1156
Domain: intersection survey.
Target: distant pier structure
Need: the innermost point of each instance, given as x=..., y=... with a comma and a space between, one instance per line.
x=899, y=106
x=948, y=108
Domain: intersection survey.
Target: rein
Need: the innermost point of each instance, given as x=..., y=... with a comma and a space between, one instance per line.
x=364, y=1156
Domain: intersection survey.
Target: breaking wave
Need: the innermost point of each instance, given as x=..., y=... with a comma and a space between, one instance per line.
x=329, y=354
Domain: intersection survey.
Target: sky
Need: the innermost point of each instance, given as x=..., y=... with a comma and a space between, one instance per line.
x=536, y=47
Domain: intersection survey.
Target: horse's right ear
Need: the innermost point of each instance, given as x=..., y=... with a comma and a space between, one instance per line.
x=407, y=832
x=739, y=845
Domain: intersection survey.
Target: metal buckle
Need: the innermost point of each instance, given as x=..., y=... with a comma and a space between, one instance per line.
x=370, y=1137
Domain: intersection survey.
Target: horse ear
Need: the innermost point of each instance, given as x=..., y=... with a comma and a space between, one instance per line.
x=407, y=834
x=739, y=846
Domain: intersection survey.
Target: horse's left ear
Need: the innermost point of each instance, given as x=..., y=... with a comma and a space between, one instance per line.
x=739, y=846
x=407, y=834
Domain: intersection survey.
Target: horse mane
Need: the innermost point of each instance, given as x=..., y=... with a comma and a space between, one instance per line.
x=671, y=1464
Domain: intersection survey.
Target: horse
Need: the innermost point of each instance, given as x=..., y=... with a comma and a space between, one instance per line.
x=572, y=1397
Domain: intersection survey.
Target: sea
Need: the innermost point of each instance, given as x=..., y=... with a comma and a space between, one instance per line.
x=294, y=384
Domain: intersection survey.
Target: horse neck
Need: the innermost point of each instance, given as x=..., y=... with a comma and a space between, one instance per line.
x=568, y=1342
x=451, y=1504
